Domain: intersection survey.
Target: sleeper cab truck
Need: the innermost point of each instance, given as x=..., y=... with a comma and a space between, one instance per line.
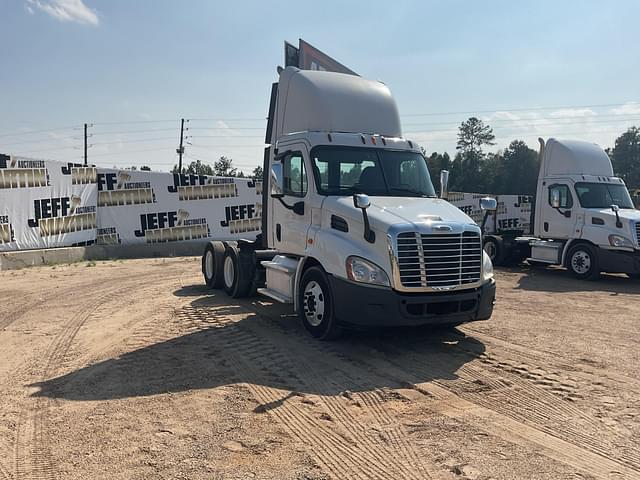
x=583, y=217
x=352, y=231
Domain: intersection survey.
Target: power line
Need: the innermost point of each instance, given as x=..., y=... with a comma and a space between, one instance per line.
x=564, y=107
x=48, y=130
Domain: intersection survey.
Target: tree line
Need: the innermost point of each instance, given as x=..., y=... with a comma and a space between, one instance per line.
x=514, y=170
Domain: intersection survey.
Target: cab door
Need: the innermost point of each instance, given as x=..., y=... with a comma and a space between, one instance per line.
x=292, y=213
x=559, y=211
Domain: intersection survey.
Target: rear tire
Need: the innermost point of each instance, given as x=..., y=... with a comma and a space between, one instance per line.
x=212, y=264
x=582, y=262
x=316, y=305
x=494, y=247
x=237, y=273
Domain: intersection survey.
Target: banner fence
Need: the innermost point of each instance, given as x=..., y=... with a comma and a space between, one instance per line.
x=46, y=204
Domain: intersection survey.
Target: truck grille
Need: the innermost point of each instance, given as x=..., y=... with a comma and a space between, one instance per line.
x=440, y=260
x=638, y=233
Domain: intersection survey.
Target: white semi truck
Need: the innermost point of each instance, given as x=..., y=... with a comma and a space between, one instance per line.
x=352, y=230
x=582, y=216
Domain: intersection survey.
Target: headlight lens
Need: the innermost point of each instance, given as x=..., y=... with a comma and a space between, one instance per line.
x=363, y=271
x=619, y=241
x=487, y=267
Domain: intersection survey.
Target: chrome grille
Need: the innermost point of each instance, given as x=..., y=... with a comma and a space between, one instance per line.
x=439, y=260
x=638, y=233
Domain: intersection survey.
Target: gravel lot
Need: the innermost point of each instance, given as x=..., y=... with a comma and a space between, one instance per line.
x=134, y=370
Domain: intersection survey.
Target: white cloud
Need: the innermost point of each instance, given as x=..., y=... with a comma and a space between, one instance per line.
x=630, y=108
x=572, y=113
x=29, y=9
x=66, y=10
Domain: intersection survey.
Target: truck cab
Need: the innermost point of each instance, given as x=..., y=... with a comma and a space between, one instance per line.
x=584, y=216
x=353, y=232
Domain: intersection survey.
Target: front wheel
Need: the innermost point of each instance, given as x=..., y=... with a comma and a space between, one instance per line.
x=494, y=248
x=316, y=305
x=582, y=262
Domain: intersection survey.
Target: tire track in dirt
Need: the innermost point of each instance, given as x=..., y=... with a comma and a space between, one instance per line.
x=346, y=446
x=297, y=345
x=475, y=389
x=32, y=459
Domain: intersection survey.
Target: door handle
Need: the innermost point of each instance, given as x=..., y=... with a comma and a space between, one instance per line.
x=278, y=232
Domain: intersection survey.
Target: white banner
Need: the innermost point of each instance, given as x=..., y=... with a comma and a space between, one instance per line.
x=152, y=207
x=46, y=204
x=513, y=212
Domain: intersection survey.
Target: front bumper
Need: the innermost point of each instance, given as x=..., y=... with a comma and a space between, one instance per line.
x=383, y=307
x=620, y=261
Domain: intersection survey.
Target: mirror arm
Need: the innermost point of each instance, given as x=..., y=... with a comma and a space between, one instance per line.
x=297, y=207
x=369, y=234
x=484, y=220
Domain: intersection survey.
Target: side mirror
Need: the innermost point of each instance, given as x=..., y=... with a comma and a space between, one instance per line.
x=489, y=204
x=361, y=201
x=444, y=184
x=555, y=198
x=277, y=181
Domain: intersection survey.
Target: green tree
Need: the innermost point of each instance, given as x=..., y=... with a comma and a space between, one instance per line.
x=518, y=170
x=257, y=173
x=625, y=157
x=224, y=168
x=145, y=168
x=473, y=134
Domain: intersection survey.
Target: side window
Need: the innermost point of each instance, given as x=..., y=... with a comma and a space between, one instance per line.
x=562, y=193
x=295, y=176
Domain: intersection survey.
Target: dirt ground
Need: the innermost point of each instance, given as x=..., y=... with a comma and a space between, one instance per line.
x=133, y=370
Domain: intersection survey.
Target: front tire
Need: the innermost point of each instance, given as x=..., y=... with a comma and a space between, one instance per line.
x=494, y=247
x=582, y=262
x=316, y=305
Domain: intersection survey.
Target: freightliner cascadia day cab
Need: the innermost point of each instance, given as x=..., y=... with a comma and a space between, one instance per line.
x=582, y=217
x=353, y=232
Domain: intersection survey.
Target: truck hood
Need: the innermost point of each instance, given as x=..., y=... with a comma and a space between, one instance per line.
x=387, y=211
x=625, y=214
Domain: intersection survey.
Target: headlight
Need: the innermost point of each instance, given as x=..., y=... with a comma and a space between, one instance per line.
x=620, y=241
x=363, y=271
x=487, y=267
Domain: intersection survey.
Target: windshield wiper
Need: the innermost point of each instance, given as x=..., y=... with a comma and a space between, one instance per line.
x=409, y=190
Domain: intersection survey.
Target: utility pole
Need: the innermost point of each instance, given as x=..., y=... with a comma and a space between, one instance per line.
x=180, y=150
x=85, y=144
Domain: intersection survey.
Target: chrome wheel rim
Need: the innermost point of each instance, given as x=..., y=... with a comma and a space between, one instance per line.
x=208, y=264
x=313, y=303
x=229, y=272
x=581, y=262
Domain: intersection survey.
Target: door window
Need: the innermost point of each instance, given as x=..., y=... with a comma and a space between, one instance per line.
x=563, y=193
x=295, y=176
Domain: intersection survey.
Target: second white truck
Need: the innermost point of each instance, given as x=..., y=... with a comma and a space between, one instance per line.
x=581, y=217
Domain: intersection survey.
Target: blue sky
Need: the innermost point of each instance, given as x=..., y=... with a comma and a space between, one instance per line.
x=133, y=68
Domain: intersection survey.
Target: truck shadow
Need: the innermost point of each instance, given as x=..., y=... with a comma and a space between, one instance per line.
x=552, y=279
x=261, y=343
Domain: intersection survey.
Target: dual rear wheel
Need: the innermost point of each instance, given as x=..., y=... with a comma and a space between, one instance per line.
x=224, y=266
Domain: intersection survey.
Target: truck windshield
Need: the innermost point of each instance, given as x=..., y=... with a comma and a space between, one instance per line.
x=603, y=195
x=376, y=172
